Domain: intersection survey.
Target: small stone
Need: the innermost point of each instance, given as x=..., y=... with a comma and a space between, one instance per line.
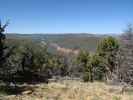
x=27, y=92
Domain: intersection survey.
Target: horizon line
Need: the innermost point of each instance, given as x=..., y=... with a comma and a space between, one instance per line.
x=63, y=33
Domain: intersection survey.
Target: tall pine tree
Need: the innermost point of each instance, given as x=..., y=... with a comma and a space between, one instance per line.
x=2, y=46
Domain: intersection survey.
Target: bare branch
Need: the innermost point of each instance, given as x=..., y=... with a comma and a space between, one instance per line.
x=6, y=24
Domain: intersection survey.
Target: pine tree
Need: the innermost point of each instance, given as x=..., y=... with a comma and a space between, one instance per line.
x=2, y=47
x=107, y=49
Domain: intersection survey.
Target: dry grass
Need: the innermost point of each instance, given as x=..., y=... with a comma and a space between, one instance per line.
x=75, y=90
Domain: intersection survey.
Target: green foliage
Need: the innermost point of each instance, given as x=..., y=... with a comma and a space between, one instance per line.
x=2, y=45
x=96, y=66
x=30, y=61
x=84, y=60
x=4, y=54
x=58, y=65
x=95, y=69
x=107, y=46
x=99, y=69
x=107, y=49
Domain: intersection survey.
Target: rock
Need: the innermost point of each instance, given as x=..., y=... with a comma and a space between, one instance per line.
x=27, y=92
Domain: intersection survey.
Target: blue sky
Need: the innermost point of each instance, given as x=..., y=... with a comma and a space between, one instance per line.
x=66, y=16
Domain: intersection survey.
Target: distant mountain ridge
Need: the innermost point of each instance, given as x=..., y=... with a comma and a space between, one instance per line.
x=71, y=40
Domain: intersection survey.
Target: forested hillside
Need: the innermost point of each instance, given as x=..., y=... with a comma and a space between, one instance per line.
x=72, y=41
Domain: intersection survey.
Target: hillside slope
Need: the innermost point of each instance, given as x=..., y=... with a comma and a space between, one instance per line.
x=72, y=41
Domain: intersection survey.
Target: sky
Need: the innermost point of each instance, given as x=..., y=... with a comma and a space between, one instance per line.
x=66, y=16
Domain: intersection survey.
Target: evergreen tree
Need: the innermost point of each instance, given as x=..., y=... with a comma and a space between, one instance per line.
x=2, y=46
x=3, y=56
x=107, y=49
x=84, y=60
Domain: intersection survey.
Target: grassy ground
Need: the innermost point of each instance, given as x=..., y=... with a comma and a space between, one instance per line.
x=73, y=90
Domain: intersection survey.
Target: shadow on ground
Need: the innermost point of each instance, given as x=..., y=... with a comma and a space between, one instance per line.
x=11, y=90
